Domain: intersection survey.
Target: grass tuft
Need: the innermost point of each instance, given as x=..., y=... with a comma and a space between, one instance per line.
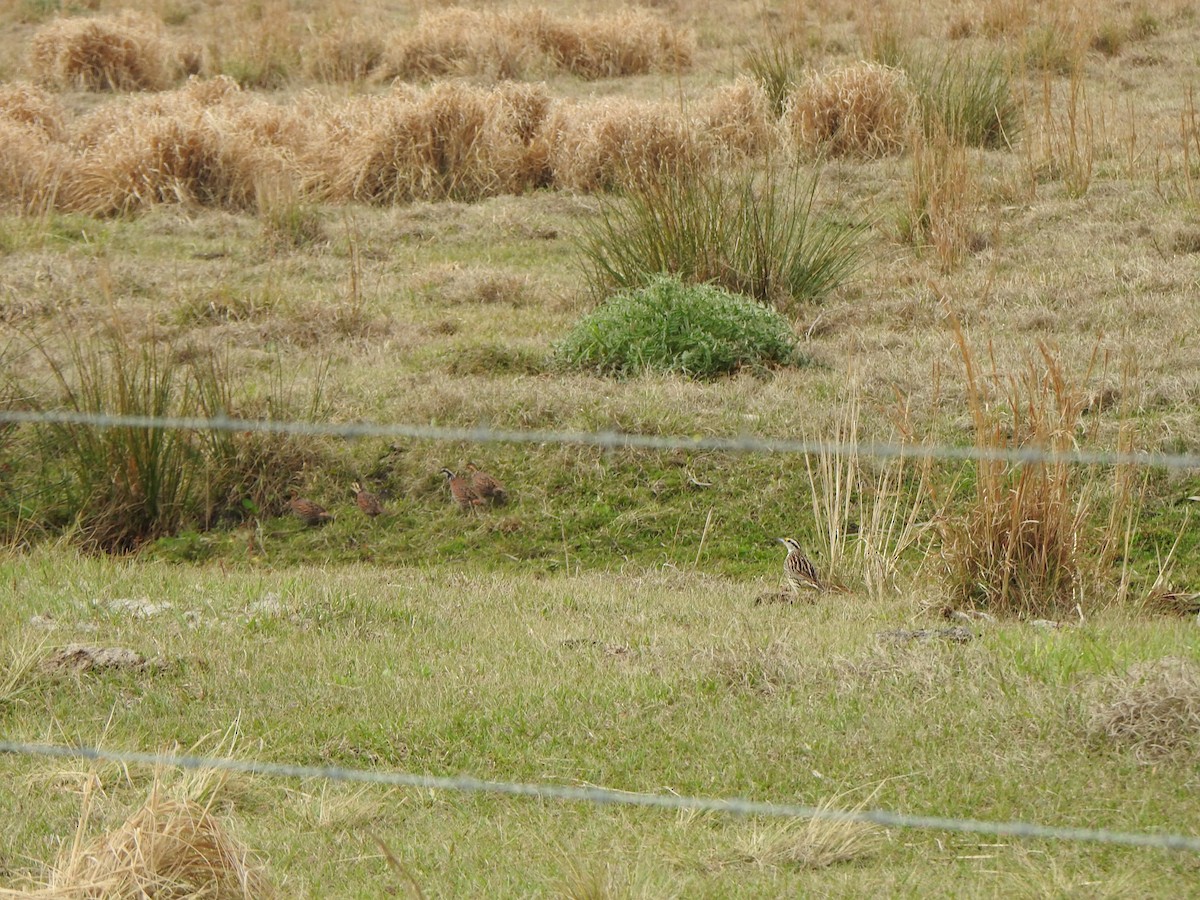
x=668, y=326
x=128, y=52
x=757, y=236
x=1154, y=710
x=1024, y=544
x=863, y=110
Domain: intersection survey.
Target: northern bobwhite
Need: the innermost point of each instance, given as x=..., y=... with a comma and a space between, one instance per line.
x=798, y=569
x=311, y=514
x=366, y=501
x=462, y=492
x=486, y=487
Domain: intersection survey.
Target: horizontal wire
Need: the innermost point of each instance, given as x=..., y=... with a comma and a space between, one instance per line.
x=612, y=439
x=608, y=796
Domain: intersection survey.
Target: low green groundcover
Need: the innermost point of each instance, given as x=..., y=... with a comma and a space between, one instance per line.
x=668, y=326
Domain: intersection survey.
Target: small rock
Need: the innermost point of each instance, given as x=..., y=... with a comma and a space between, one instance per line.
x=42, y=620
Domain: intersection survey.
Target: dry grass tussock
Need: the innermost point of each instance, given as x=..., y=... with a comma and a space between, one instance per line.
x=863, y=110
x=513, y=44
x=738, y=118
x=453, y=141
x=347, y=53
x=126, y=52
x=814, y=843
x=25, y=104
x=168, y=848
x=206, y=143
x=1154, y=709
x=628, y=42
x=32, y=167
x=609, y=143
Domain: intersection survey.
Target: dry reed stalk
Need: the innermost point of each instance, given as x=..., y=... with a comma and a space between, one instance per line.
x=863, y=110
x=125, y=52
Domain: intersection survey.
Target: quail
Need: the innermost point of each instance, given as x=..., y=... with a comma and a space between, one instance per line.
x=366, y=501
x=798, y=569
x=486, y=487
x=462, y=492
x=311, y=514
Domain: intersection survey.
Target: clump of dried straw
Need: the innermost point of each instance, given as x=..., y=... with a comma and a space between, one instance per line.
x=458, y=42
x=609, y=143
x=513, y=44
x=738, y=119
x=207, y=143
x=1154, y=710
x=628, y=42
x=167, y=849
x=863, y=110
x=453, y=141
x=119, y=53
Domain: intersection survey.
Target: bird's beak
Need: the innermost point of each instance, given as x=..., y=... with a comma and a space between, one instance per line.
x=781, y=540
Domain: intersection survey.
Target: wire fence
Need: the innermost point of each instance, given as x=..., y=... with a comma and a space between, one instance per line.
x=615, y=440
x=609, y=796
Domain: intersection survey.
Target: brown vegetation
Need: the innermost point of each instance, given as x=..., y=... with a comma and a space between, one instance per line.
x=107, y=53
x=862, y=110
x=1154, y=710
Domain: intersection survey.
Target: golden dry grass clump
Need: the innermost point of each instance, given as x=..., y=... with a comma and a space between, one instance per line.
x=611, y=142
x=461, y=41
x=167, y=849
x=738, y=119
x=33, y=159
x=348, y=53
x=862, y=110
x=206, y=143
x=1154, y=710
x=453, y=141
x=458, y=42
x=26, y=104
x=119, y=53
x=628, y=42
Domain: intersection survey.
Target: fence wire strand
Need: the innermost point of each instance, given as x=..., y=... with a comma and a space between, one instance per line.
x=613, y=440
x=609, y=796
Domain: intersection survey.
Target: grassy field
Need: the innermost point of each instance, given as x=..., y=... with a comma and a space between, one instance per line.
x=339, y=221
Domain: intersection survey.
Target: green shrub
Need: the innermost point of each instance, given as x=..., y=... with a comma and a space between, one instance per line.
x=776, y=65
x=752, y=235
x=668, y=326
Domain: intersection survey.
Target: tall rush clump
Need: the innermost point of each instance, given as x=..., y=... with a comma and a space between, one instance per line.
x=1025, y=544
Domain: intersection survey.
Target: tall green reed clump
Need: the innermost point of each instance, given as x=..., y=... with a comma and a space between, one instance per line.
x=756, y=234
x=115, y=487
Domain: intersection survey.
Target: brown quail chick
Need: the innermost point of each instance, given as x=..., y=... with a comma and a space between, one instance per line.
x=486, y=487
x=367, y=501
x=311, y=514
x=462, y=492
